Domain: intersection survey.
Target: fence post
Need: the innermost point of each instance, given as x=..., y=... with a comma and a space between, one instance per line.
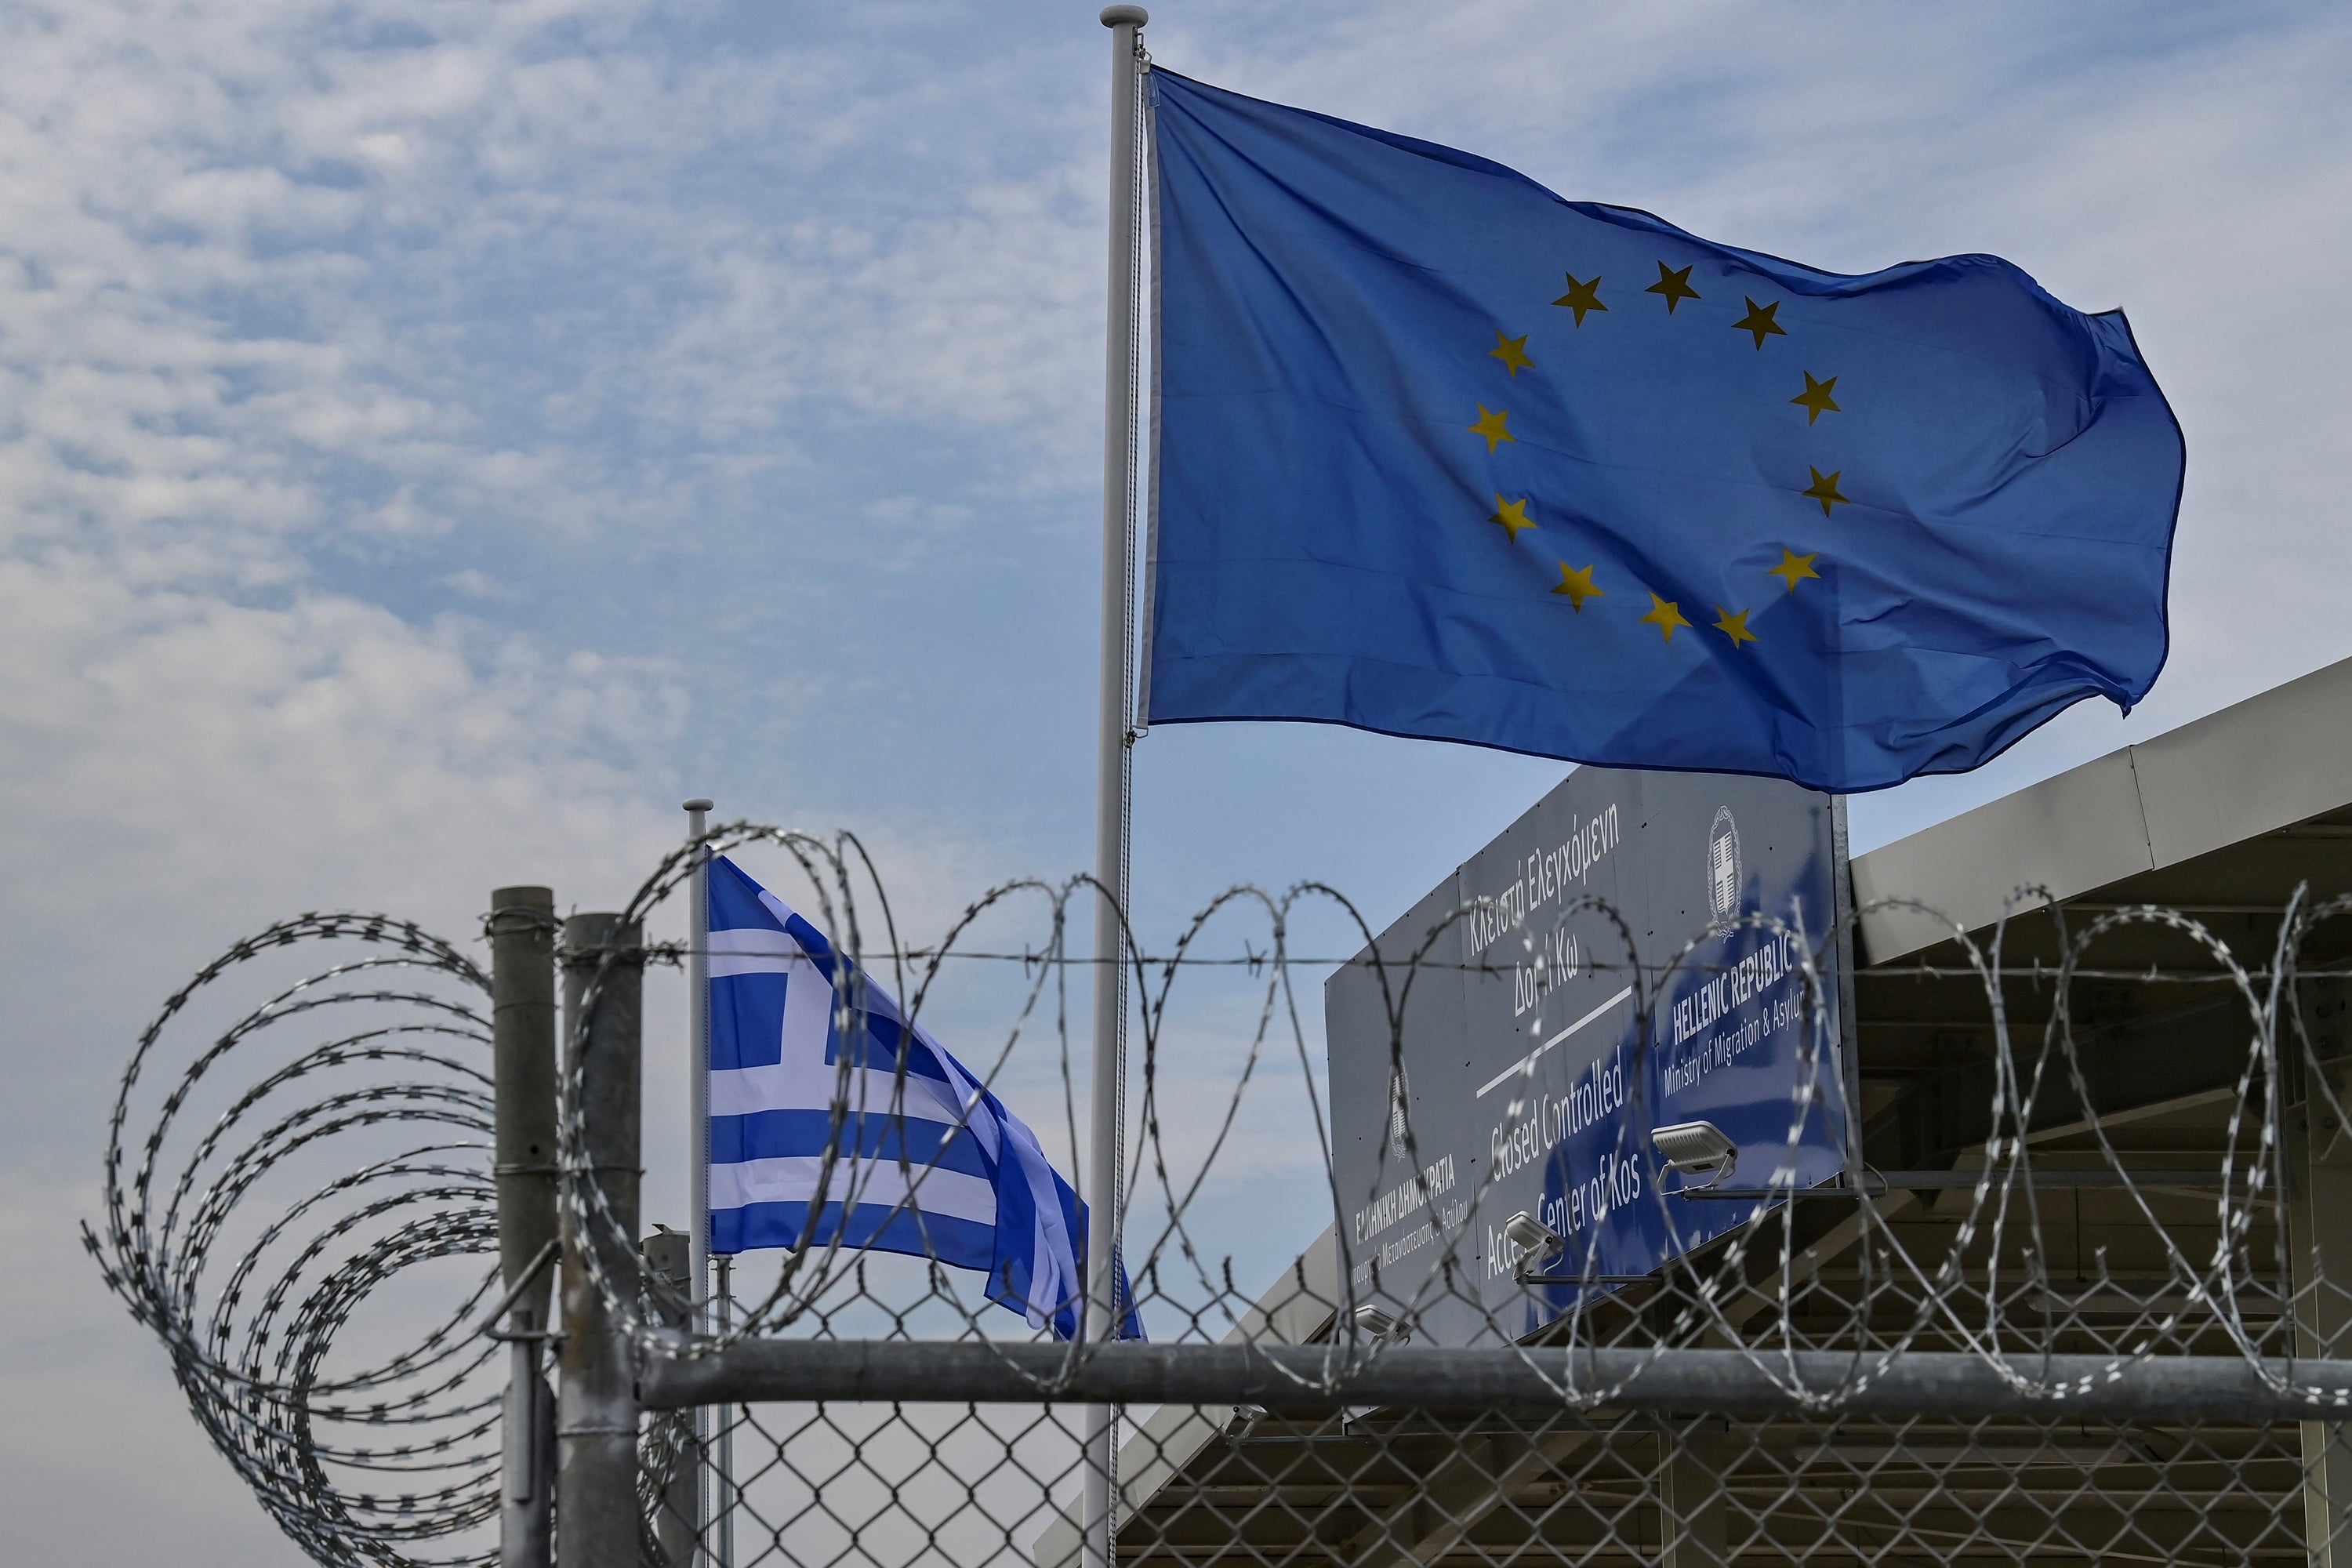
x=597, y=1520
x=677, y=1522
x=721, y=1432
x=522, y=1036
x=2318, y=1162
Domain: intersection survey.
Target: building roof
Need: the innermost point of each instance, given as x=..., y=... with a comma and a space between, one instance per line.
x=2193, y=818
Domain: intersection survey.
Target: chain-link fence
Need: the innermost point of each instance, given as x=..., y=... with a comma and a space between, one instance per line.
x=2071, y=1300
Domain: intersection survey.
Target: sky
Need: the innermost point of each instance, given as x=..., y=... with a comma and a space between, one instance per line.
x=435, y=438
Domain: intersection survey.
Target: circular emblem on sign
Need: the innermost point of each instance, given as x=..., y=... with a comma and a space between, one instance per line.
x=1723, y=877
x=1396, y=1114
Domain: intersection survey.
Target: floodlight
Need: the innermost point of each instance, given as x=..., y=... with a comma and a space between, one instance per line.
x=1698, y=1151
x=1381, y=1326
x=1537, y=1239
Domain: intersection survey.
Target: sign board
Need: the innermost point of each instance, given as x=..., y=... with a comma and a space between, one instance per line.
x=1539, y=1041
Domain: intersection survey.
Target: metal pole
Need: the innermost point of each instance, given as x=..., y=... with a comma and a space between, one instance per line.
x=677, y=1527
x=596, y=1428
x=1125, y=23
x=1848, y=1039
x=522, y=1050
x=698, y=1101
x=726, y=1458
x=2318, y=1193
x=698, y=1057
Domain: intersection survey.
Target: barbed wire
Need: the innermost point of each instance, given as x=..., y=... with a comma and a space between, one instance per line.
x=1941, y=1302
x=361, y=1149
x=363, y=1152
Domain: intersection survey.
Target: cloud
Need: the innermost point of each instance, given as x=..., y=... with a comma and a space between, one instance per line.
x=476, y=585
x=180, y=769
x=249, y=756
x=102, y=1463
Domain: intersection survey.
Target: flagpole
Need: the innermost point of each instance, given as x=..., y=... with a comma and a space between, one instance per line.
x=1107, y=1113
x=697, y=1135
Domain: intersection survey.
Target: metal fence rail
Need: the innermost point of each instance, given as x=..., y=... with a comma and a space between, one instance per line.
x=1534, y=1381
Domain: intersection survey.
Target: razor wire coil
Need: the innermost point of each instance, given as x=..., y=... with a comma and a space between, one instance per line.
x=225, y=1240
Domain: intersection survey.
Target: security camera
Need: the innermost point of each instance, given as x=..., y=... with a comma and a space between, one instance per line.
x=1698, y=1151
x=1384, y=1328
x=1536, y=1239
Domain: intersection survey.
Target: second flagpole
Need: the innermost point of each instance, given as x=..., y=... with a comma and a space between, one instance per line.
x=698, y=1101
x=1108, y=1112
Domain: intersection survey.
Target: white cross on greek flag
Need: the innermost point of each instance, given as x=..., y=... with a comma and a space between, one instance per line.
x=924, y=1160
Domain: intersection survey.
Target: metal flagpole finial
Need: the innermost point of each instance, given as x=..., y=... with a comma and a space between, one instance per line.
x=1118, y=16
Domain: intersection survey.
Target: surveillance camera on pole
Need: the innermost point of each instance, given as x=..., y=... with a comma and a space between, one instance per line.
x=1383, y=1329
x=1534, y=1239
x=1700, y=1152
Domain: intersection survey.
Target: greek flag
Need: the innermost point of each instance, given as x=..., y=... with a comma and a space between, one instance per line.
x=810, y=1058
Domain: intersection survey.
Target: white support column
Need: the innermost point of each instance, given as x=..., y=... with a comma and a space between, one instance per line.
x=1692, y=1500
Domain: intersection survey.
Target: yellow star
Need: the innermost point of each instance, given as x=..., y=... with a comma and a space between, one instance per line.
x=1815, y=400
x=1796, y=568
x=1759, y=322
x=1513, y=353
x=1584, y=297
x=1675, y=286
x=1824, y=489
x=1490, y=425
x=1665, y=616
x=1512, y=515
x=1578, y=587
x=1733, y=623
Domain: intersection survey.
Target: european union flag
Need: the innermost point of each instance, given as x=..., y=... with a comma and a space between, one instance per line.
x=1443, y=455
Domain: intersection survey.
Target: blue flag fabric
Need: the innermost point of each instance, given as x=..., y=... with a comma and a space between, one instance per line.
x=1441, y=455
x=922, y=1158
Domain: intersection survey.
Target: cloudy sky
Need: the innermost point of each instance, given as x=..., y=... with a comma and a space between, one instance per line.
x=435, y=437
